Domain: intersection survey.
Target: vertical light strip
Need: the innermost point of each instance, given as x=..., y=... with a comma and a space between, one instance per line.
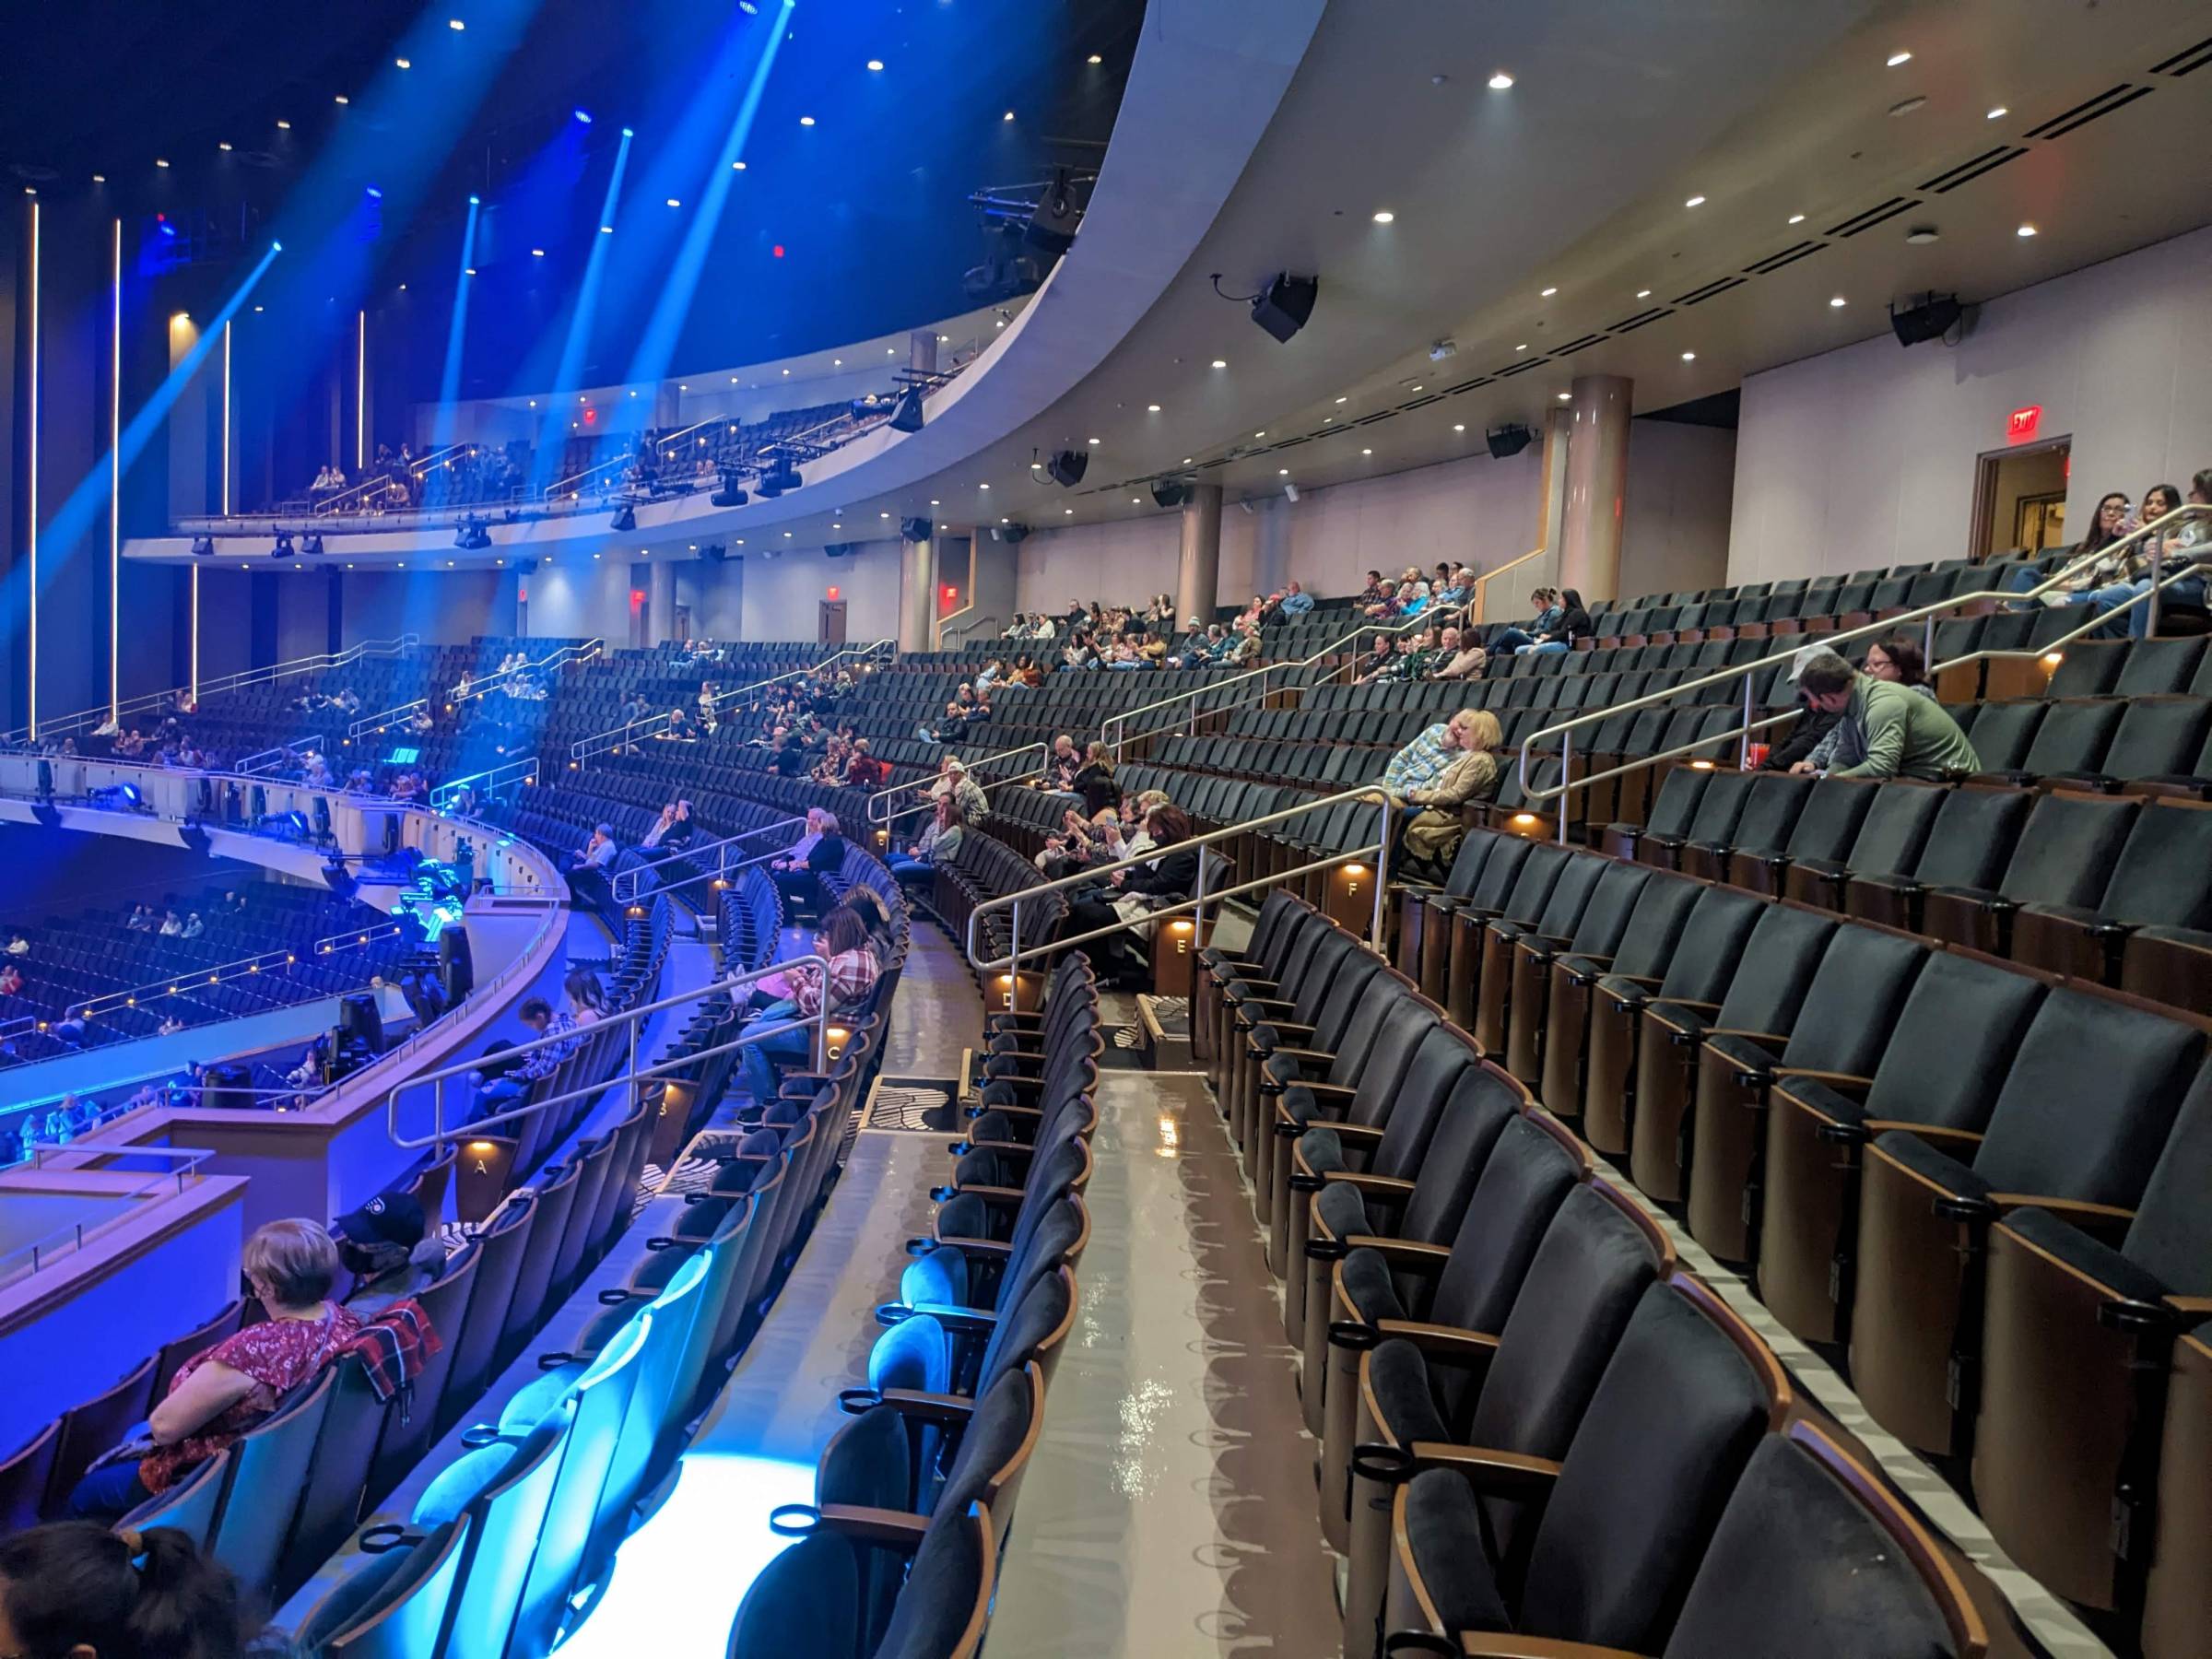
x=115, y=483
x=32, y=540
x=360, y=393
x=227, y=420
x=195, y=636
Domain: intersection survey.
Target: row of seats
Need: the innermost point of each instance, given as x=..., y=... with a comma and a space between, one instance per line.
x=1535, y=1422
x=1941, y=1163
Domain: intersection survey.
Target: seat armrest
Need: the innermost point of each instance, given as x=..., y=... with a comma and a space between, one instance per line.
x=1510, y=1474
x=1386, y=1189
x=1960, y=1140
x=1505, y=1645
x=1839, y=1081
x=1441, y=1344
x=1402, y=1255
x=2106, y=1221
x=999, y=1248
x=879, y=1528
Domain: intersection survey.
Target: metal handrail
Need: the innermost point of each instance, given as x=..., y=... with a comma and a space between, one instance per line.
x=632, y=1018
x=1435, y=616
x=522, y=770
x=1482, y=583
x=888, y=819
x=622, y=737
x=297, y=748
x=418, y=467
x=1379, y=853
x=188, y=1161
x=1926, y=614
x=495, y=681
x=180, y=985
x=719, y=848
x=84, y=719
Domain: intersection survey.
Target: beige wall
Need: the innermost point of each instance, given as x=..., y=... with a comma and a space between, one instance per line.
x=782, y=596
x=1673, y=535
x=1865, y=456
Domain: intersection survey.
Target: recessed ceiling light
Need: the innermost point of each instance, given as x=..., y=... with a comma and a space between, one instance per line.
x=1385, y=216
x=1500, y=81
x=1797, y=218
x=1007, y=116
x=1905, y=106
x=1998, y=113
x=1836, y=303
x=1548, y=293
x=284, y=127
x=1186, y=460
x=674, y=203
x=1094, y=443
x=874, y=66
x=1219, y=364
x=1282, y=472
x=2025, y=231
x=1326, y=419
x=1697, y=201
x=1261, y=433
x=404, y=63
x=342, y=98
x=891, y=351
x=99, y=178
x=736, y=167
x=786, y=535
x=222, y=144
x=1068, y=512
x=1094, y=58
x=1151, y=408
x=1366, y=452
x=1689, y=357
x=982, y=485
x=160, y=163
x=1643, y=293
x=540, y=253
x=1522, y=347
x=455, y=25
x=1566, y=397
x=1135, y=501
x=932, y=500
x=1457, y=427
x=1899, y=57
x=805, y=120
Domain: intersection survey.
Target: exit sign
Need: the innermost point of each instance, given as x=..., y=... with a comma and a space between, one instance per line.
x=2022, y=424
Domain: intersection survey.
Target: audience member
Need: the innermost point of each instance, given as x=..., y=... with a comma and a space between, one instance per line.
x=1545, y=601
x=1130, y=895
x=939, y=841
x=1887, y=730
x=1295, y=602
x=383, y=1245
x=75, y=1590
x=223, y=1390
x=843, y=941
x=818, y=853
x=593, y=865
x=1432, y=834
x=506, y=1074
x=1061, y=765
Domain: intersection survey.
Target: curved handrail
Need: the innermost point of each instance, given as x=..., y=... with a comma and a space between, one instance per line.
x=622, y=736
x=887, y=818
x=691, y=856
x=492, y=777
x=632, y=1020
x=180, y=985
x=1362, y=792
x=68, y=724
x=1118, y=723
x=1564, y=729
x=296, y=748
x=1482, y=583
x=496, y=681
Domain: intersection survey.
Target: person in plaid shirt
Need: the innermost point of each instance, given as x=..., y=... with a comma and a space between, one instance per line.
x=853, y=971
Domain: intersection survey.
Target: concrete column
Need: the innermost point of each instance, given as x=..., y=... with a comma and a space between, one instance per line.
x=660, y=600
x=1597, y=480
x=921, y=350
x=917, y=594
x=1552, y=527
x=1198, y=572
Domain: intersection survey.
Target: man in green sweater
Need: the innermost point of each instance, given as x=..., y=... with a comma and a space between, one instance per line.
x=1886, y=730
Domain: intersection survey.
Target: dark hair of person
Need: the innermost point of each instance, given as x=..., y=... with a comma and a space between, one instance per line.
x=844, y=930
x=2173, y=497
x=868, y=904
x=1826, y=675
x=1912, y=667
x=2098, y=536
x=1570, y=599
x=1170, y=824
x=131, y=1595
x=536, y=1007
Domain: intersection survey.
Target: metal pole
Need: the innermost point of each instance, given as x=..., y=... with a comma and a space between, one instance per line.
x=2158, y=559
x=1743, y=751
x=1927, y=643
x=1566, y=772
x=1014, y=961
x=1375, y=934
x=1198, y=914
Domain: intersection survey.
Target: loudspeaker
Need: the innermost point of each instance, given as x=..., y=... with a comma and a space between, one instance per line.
x=227, y=1088
x=456, y=968
x=839, y=549
x=908, y=415
x=1012, y=534
x=1283, y=306
x=1170, y=492
x=714, y=553
x=359, y=1017
x=731, y=494
x=1509, y=440
x=916, y=529
x=1930, y=320
x=1067, y=466
x=1052, y=225
x=525, y=567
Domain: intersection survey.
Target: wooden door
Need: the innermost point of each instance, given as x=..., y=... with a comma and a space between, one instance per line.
x=833, y=622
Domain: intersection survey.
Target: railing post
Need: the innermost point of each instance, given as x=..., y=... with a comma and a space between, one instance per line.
x=1743, y=747
x=2158, y=560
x=1014, y=961
x=1382, y=879
x=1566, y=779
x=630, y=1078
x=1198, y=910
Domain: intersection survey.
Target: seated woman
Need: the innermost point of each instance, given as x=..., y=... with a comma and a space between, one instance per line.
x=2094, y=576
x=939, y=840
x=853, y=971
x=798, y=874
x=223, y=1390
x=1570, y=623
x=1094, y=781
x=1133, y=894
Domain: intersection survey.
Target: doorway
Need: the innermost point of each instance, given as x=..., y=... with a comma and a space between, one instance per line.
x=832, y=630
x=2020, y=499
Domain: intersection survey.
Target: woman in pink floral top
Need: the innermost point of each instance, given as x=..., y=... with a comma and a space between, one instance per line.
x=221, y=1391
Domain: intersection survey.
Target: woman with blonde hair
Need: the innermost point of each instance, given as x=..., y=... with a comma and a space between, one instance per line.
x=1471, y=773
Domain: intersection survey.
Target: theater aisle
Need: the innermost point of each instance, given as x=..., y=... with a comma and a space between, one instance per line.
x=680, y=1577
x=1169, y=1509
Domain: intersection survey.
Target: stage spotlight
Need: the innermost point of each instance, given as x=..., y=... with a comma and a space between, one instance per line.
x=731, y=493
x=470, y=535
x=1509, y=440
x=282, y=549
x=310, y=544
x=626, y=517
x=907, y=416
x=778, y=477
x=202, y=547
x=582, y=115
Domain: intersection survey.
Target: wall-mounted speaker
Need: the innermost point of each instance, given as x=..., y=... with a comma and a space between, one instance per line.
x=1170, y=492
x=1284, y=305
x=1012, y=534
x=916, y=529
x=1053, y=227
x=1930, y=320
x=1067, y=466
x=1509, y=440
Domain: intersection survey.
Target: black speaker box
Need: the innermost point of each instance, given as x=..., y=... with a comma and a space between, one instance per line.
x=1283, y=306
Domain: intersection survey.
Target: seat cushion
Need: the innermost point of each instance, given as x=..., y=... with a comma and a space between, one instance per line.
x=1342, y=1210
x=1445, y=1531
x=2086, y=1256
x=1397, y=1376
x=1924, y=1160
x=1369, y=1287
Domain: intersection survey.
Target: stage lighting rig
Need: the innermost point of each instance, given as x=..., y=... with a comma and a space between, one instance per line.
x=626, y=517
x=202, y=547
x=731, y=493
x=471, y=535
x=282, y=549
x=310, y=542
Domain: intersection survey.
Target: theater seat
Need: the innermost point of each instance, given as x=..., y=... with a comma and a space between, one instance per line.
x=1646, y=945
x=1891, y=832
x=809, y=1599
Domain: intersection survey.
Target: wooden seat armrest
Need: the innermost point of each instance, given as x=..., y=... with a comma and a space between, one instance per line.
x=1303, y=1056
x=879, y=1528
x=1000, y=1248
x=1010, y=1148
x=1505, y=1644
x=1446, y=1345
x=2098, y=1220
x=994, y=1196
x=1842, y=1082
x=1773, y=1039
x=1389, y=1189
x=954, y=1317
x=1358, y=1135
x=1403, y=1255
x=1285, y=1027
x=1945, y=1140
x=2196, y=1307
x=1018, y=1111
x=931, y=1407
x=1511, y=1474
